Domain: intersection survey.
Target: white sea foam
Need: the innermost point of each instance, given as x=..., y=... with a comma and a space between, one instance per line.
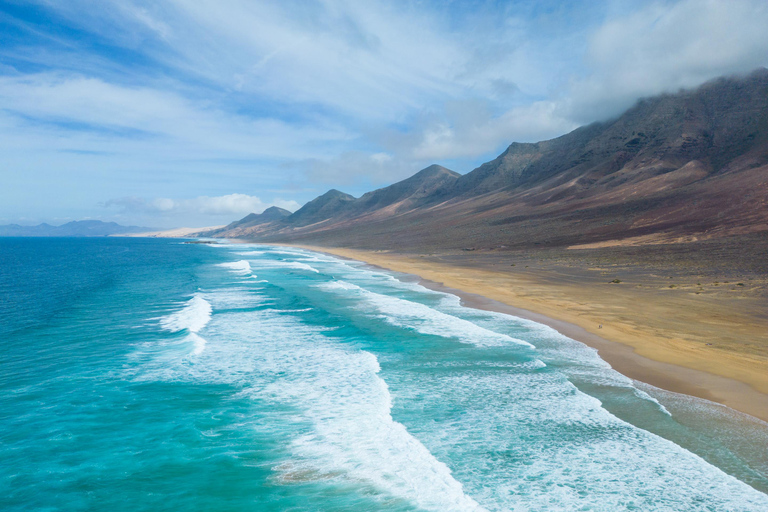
x=575, y=351
x=236, y=298
x=424, y=319
x=193, y=317
x=300, y=266
x=302, y=310
x=354, y=433
x=240, y=267
x=559, y=447
x=336, y=389
x=295, y=265
x=195, y=314
x=198, y=342
x=520, y=436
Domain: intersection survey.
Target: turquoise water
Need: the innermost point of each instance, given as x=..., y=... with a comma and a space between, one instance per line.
x=142, y=374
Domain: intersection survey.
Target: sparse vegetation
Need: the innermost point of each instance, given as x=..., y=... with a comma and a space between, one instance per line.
x=616, y=281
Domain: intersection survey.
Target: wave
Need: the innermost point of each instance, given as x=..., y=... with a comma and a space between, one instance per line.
x=504, y=432
x=327, y=402
x=198, y=343
x=424, y=319
x=574, y=351
x=297, y=265
x=193, y=318
x=236, y=298
x=239, y=267
x=353, y=432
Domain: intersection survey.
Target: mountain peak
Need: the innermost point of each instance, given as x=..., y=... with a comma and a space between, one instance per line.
x=433, y=171
x=274, y=213
x=321, y=208
x=334, y=194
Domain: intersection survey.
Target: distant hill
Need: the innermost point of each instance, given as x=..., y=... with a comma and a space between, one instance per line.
x=334, y=205
x=675, y=167
x=250, y=224
x=80, y=228
x=424, y=187
x=329, y=205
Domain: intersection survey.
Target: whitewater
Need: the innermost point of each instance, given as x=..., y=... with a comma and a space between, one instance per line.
x=253, y=377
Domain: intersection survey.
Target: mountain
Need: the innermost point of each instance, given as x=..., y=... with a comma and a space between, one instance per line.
x=320, y=209
x=251, y=223
x=81, y=228
x=716, y=124
x=407, y=195
x=422, y=188
x=675, y=167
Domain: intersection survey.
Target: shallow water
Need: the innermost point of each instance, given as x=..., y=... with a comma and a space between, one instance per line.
x=155, y=375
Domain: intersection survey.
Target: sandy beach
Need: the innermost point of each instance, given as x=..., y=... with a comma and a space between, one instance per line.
x=707, y=345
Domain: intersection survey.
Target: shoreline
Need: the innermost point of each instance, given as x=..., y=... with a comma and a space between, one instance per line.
x=624, y=358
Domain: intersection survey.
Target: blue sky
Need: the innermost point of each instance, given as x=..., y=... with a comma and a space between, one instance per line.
x=194, y=113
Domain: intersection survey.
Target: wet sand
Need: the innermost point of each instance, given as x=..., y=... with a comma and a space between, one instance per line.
x=708, y=346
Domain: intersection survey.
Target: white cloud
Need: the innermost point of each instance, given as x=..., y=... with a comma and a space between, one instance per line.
x=232, y=204
x=354, y=167
x=667, y=46
x=228, y=205
x=260, y=95
x=467, y=129
x=91, y=114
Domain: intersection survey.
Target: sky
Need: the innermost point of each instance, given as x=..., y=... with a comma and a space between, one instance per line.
x=170, y=113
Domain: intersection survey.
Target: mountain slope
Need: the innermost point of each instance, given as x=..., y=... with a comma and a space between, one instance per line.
x=424, y=187
x=320, y=209
x=717, y=123
x=271, y=214
x=676, y=167
x=250, y=224
x=334, y=206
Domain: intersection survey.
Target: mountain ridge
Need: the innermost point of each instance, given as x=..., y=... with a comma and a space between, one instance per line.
x=675, y=166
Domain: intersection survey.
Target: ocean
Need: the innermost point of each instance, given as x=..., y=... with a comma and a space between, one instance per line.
x=144, y=374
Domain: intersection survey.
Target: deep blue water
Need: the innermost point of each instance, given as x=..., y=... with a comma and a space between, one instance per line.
x=140, y=374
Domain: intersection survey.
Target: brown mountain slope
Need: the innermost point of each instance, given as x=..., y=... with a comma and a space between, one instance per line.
x=692, y=165
x=334, y=207
x=685, y=166
x=251, y=223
